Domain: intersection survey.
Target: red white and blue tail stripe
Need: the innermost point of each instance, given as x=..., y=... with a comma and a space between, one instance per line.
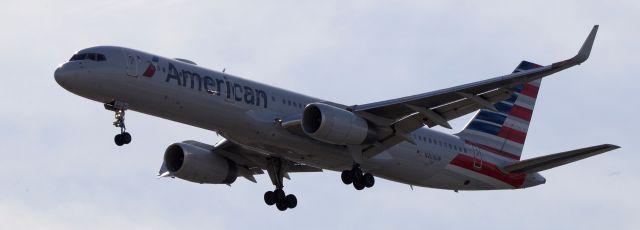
x=503, y=133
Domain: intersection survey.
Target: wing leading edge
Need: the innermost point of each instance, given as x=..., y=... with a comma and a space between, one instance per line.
x=447, y=103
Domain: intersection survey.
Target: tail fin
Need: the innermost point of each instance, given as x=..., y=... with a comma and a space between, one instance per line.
x=504, y=132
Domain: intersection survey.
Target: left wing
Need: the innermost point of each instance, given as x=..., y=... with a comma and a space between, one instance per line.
x=447, y=103
x=406, y=114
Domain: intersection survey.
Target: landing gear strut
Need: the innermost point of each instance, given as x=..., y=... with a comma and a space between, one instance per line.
x=277, y=196
x=119, y=107
x=359, y=179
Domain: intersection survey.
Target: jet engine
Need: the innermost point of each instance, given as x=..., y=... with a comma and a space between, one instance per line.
x=193, y=162
x=334, y=125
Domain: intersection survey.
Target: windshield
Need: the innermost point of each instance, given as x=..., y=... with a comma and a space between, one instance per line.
x=88, y=56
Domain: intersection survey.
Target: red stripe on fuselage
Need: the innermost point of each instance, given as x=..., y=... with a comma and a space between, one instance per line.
x=512, y=134
x=494, y=150
x=514, y=179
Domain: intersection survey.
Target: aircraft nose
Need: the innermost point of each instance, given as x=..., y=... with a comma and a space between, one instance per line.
x=62, y=76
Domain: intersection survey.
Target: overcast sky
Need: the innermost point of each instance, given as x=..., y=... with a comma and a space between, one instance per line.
x=59, y=168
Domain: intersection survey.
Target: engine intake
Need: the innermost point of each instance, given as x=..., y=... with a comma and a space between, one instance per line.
x=334, y=125
x=200, y=165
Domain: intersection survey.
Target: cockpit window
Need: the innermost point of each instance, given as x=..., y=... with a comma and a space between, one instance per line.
x=78, y=57
x=88, y=56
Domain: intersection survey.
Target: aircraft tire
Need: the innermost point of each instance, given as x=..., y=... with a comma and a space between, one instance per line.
x=118, y=140
x=291, y=201
x=279, y=194
x=358, y=184
x=269, y=198
x=281, y=205
x=368, y=180
x=356, y=174
x=347, y=177
x=126, y=138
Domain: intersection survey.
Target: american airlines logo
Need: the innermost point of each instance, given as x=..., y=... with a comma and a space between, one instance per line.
x=215, y=86
x=151, y=69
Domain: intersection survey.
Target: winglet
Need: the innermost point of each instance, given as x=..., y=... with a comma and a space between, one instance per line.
x=584, y=52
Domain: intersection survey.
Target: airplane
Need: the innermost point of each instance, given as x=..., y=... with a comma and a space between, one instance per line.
x=265, y=128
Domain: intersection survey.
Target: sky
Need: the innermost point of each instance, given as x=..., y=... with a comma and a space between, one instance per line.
x=59, y=168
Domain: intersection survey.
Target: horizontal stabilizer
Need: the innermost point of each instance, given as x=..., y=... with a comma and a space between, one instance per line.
x=554, y=160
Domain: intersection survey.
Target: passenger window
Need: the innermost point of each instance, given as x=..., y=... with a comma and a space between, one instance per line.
x=91, y=56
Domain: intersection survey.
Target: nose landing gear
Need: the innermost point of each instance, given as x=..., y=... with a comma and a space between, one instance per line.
x=119, y=108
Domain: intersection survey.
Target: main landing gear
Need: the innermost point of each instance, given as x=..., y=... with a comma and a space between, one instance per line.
x=359, y=179
x=277, y=196
x=119, y=107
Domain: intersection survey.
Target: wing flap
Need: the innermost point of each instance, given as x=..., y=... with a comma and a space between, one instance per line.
x=554, y=160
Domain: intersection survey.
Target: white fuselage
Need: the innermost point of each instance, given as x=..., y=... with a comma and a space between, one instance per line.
x=246, y=113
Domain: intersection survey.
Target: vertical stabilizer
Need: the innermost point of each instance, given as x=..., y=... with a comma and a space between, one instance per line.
x=503, y=132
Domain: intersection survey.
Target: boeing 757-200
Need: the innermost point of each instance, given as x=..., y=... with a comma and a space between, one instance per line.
x=278, y=131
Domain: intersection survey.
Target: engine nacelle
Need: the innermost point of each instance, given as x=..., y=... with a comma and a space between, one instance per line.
x=198, y=164
x=336, y=126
